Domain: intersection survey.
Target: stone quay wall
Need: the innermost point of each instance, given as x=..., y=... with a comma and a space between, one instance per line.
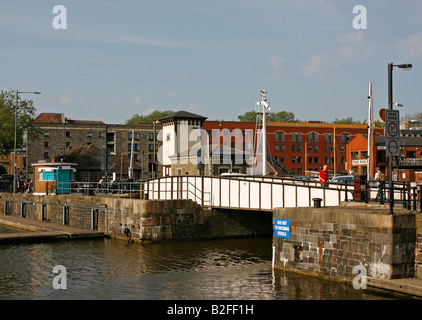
x=139, y=220
x=331, y=242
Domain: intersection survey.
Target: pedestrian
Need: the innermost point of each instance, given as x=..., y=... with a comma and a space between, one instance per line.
x=380, y=178
x=323, y=176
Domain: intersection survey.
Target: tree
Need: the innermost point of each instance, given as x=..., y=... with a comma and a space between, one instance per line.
x=348, y=120
x=281, y=116
x=414, y=116
x=25, y=118
x=149, y=118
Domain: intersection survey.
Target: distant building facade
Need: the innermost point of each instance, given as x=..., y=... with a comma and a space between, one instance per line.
x=301, y=147
x=98, y=148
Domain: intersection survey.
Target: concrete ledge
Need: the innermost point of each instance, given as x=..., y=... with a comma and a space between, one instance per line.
x=408, y=286
x=42, y=231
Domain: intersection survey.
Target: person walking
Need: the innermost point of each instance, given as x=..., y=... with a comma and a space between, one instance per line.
x=380, y=178
x=323, y=176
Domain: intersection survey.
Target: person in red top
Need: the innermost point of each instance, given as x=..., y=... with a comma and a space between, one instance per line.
x=323, y=176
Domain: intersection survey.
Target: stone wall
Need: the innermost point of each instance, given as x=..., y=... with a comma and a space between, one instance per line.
x=145, y=219
x=332, y=241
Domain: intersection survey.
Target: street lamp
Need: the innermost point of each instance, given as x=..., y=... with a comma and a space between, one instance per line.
x=16, y=125
x=390, y=107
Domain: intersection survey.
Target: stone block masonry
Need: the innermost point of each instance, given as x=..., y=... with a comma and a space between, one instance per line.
x=139, y=220
x=330, y=242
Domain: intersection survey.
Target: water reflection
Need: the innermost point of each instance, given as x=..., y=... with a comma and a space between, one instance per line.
x=110, y=269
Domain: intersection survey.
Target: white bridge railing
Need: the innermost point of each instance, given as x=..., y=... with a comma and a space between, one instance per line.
x=244, y=192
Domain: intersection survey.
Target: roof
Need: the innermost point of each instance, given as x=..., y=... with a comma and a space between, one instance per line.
x=50, y=118
x=183, y=115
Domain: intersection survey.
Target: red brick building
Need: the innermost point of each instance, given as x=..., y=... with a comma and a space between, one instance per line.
x=301, y=147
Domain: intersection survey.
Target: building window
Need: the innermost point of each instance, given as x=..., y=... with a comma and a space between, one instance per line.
x=313, y=137
x=364, y=155
x=89, y=135
x=168, y=137
x=46, y=134
x=345, y=138
x=46, y=155
x=355, y=155
x=46, y=144
x=135, y=135
x=68, y=134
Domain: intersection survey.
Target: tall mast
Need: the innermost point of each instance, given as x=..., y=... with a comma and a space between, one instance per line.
x=265, y=107
x=369, y=163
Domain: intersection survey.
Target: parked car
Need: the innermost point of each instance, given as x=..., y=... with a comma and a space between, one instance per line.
x=343, y=179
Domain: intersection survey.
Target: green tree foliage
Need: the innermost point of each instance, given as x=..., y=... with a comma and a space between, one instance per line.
x=149, y=118
x=25, y=118
x=348, y=120
x=281, y=116
x=413, y=116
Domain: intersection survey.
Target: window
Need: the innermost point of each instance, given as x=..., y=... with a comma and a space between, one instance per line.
x=135, y=135
x=364, y=155
x=345, y=138
x=46, y=155
x=313, y=137
x=46, y=144
x=67, y=133
x=89, y=135
x=282, y=147
x=46, y=134
x=355, y=155
x=150, y=147
x=277, y=147
x=168, y=137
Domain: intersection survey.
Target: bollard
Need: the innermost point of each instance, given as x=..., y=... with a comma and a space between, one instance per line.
x=317, y=202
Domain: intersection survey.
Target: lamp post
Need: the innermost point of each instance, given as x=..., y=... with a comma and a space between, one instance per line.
x=16, y=125
x=390, y=107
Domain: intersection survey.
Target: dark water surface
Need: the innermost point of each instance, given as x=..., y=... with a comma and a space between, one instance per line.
x=111, y=269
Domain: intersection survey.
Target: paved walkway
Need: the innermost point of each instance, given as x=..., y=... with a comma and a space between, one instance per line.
x=42, y=230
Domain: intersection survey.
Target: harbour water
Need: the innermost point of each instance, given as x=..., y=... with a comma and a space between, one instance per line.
x=197, y=270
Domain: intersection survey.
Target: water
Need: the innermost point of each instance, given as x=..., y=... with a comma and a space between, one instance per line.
x=112, y=269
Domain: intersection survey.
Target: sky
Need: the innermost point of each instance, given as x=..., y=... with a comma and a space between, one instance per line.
x=117, y=58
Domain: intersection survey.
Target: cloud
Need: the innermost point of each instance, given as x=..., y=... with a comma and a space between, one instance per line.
x=410, y=46
x=352, y=45
x=276, y=61
x=65, y=98
x=315, y=64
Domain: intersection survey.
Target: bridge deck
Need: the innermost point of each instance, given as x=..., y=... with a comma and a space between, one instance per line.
x=245, y=192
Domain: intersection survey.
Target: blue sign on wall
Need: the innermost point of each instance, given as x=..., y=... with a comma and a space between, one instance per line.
x=282, y=228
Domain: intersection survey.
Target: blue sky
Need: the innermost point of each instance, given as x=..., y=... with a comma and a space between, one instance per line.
x=119, y=58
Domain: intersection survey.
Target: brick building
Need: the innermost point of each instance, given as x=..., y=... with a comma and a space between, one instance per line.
x=301, y=147
x=87, y=143
x=407, y=167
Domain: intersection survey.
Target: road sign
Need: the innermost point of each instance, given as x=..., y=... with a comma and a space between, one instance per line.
x=393, y=148
x=282, y=228
x=392, y=132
